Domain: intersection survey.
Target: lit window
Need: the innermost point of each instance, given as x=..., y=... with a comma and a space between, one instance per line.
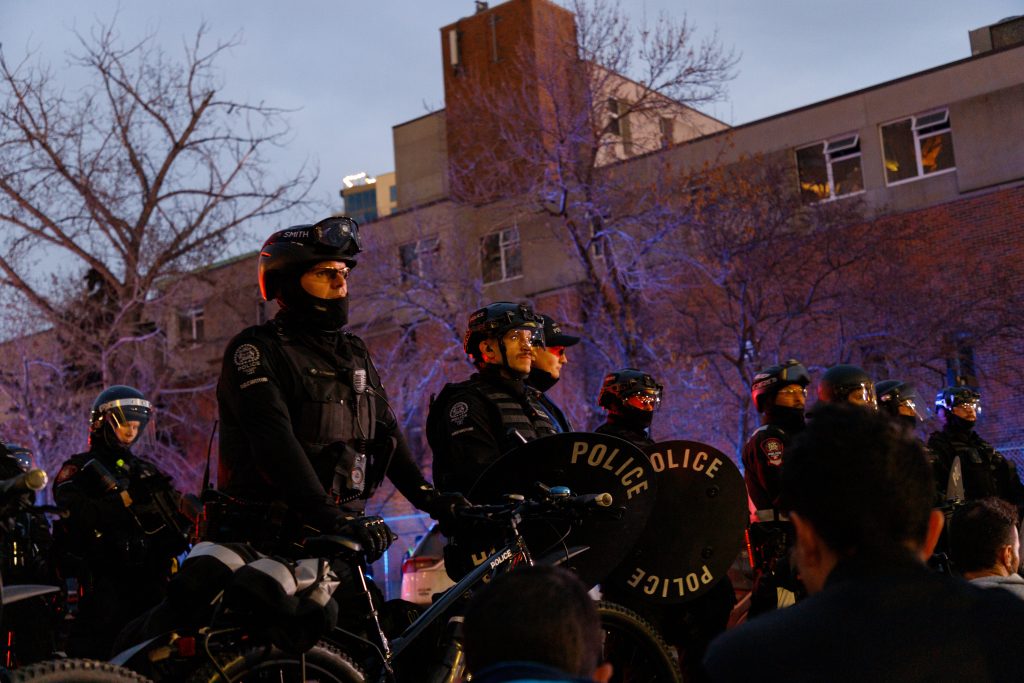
x=501, y=255
x=418, y=258
x=917, y=146
x=190, y=324
x=830, y=169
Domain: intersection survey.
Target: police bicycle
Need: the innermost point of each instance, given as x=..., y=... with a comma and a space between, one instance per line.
x=429, y=649
x=16, y=495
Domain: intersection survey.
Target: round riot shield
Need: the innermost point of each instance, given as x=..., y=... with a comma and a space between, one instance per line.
x=695, y=531
x=586, y=463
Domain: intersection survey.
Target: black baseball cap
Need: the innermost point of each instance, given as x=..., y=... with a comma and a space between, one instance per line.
x=553, y=335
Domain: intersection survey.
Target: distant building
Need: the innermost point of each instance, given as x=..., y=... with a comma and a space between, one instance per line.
x=367, y=198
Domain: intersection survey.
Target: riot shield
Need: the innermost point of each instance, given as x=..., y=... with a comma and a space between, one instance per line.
x=695, y=531
x=586, y=463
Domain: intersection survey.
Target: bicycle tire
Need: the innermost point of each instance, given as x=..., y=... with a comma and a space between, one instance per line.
x=637, y=652
x=73, y=671
x=324, y=663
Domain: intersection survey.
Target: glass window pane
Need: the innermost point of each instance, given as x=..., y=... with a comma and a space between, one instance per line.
x=847, y=175
x=937, y=153
x=898, y=151
x=490, y=257
x=810, y=164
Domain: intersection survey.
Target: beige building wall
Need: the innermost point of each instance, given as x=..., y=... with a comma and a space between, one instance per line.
x=421, y=160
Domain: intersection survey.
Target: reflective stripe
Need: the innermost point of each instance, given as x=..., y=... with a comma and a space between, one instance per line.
x=770, y=516
x=123, y=402
x=227, y=556
x=276, y=571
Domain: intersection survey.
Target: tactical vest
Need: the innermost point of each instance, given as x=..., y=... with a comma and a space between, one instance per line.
x=334, y=424
x=979, y=464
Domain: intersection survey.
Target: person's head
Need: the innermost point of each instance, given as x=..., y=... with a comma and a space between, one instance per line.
x=535, y=614
x=631, y=395
x=305, y=268
x=503, y=335
x=898, y=400
x=857, y=485
x=958, y=408
x=780, y=393
x=847, y=384
x=549, y=358
x=983, y=537
x=118, y=416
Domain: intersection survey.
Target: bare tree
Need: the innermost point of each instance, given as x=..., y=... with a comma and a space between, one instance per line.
x=117, y=189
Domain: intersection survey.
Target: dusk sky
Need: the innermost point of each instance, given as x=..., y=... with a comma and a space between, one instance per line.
x=354, y=69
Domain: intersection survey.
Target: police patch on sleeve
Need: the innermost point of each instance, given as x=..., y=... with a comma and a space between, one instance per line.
x=458, y=412
x=773, y=448
x=247, y=359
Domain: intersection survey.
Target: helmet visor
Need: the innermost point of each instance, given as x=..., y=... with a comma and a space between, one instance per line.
x=863, y=394
x=647, y=400
x=525, y=336
x=127, y=417
x=791, y=396
x=967, y=410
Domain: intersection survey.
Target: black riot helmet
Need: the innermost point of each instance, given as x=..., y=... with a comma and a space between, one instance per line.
x=115, y=408
x=294, y=249
x=630, y=392
x=493, y=321
x=898, y=398
x=962, y=404
x=767, y=382
x=847, y=384
x=19, y=456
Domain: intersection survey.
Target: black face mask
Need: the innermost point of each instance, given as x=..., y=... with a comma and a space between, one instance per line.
x=637, y=419
x=791, y=420
x=326, y=315
x=958, y=425
x=541, y=380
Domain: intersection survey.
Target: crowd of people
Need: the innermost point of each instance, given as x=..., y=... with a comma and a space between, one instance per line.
x=847, y=504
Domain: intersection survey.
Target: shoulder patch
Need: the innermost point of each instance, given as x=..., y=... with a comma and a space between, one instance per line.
x=772, y=448
x=458, y=412
x=247, y=358
x=65, y=473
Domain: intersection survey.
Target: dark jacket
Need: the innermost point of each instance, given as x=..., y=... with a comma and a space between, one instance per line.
x=763, y=454
x=891, y=621
x=985, y=471
x=293, y=426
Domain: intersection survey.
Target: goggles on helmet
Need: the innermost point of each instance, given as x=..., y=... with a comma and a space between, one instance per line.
x=863, y=394
x=527, y=336
x=647, y=399
x=338, y=232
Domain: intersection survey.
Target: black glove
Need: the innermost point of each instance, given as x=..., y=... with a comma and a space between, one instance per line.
x=372, y=533
x=442, y=506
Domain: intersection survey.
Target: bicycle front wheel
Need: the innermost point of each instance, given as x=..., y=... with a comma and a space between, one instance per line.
x=73, y=671
x=323, y=664
x=638, y=654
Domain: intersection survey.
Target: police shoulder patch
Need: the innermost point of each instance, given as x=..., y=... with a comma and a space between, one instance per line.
x=65, y=473
x=458, y=412
x=247, y=358
x=772, y=447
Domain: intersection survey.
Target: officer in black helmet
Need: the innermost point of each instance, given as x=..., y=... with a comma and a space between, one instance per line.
x=305, y=425
x=548, y=361
x=899, y=400
x=985, y=471
x=631, y=398
x=847, y=384
x=473, y=423
x=124, y=525
x=779, y=393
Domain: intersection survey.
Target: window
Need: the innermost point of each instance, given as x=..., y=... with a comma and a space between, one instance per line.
x=492, y=22
x=618, y=124
x=668, y=131
x=501, y=255
x=830, y=169
x=455, y=52
x=418, y=258
x=917, y=146
x=960, y=367
x=393, y=193
x=190, y=324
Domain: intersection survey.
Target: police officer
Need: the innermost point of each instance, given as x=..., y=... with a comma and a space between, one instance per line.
x=985, y=471
x=473, y=423
x=849, y=384
x=899, y=400
x=779, y=393
x=632, y=397
x=123, y=528
x=547, y=369
x=305, y=424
